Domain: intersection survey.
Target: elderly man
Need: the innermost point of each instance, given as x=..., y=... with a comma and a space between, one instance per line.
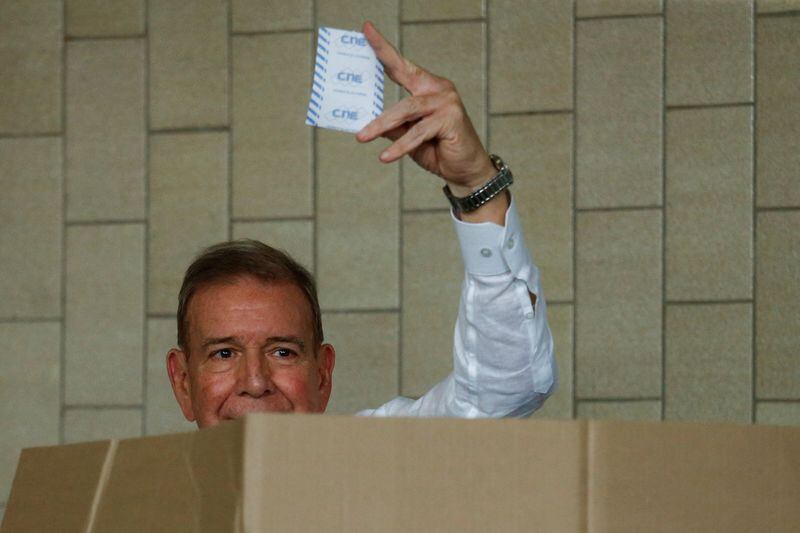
x=249, y=331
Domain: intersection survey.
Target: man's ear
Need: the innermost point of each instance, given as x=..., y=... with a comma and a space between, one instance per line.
x=178, y=370
x=326, y=359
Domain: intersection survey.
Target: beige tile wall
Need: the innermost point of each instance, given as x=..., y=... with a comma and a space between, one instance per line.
x=31, y=56
x=101, y=18
x=105, y=129
x=709, y=52
x=709, y=161
x=655, y=145
x=620, y=409
x=31, y=211
x=462, y=59
x=709, y=374
x=619, y=111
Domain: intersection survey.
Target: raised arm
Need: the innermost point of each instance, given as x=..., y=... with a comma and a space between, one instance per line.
x=503, y=350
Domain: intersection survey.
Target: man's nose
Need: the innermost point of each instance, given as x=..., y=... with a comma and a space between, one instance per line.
x=255, y=377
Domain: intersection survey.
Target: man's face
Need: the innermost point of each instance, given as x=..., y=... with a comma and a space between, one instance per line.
x=250, y=349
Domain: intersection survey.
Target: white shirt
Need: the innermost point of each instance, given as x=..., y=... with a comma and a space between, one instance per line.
x=503, y=363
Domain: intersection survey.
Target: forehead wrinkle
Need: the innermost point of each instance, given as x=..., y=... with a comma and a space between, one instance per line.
x=239, y=341
x=209, y=341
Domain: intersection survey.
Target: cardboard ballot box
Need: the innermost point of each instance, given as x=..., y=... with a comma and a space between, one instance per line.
x=326, y=473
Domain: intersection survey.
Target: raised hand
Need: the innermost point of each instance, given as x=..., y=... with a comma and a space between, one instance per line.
x=431, y=125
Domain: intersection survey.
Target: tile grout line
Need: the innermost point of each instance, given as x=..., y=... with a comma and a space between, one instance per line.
x=103, y=406
x=617, y=17
x=689, y=107
x=146, y=296
x=83, y=38
x=365, y=310
x=424, y=210
x=64, y=197
x=229, y=105
x=427, y=22
x=732, y=301
x=400, y=234
x=529, y=113
x=188, y=129
x=42, y=135
x=255, y=220
x=664, y=212
x=229, y=81
x=29, y=320
x=257, y=33
x=780, y=14
x=619, y=399
x=574, y=209
x=314, y=154
x=619, y=208
x=777, y=208
x=105, y=222
x=551, y=303
x=754, y=241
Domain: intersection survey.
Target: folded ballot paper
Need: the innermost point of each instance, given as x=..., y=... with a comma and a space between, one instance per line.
x=347, y=89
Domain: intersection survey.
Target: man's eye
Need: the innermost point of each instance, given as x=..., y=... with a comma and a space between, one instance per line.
x=225, y=353
x=284, y=353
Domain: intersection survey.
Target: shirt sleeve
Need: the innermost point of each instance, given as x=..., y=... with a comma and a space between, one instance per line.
x=503, y=364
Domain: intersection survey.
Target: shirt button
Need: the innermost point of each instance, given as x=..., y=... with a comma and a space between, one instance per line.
x=485, y=252
x=529, y=315
x=510, y=243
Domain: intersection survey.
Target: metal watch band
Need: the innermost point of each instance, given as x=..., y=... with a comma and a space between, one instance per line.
x=492, y=188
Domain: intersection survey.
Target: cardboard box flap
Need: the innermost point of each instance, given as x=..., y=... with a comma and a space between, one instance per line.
x=55, y=485
x=663, y=476
x=328, y=473
x=185, y=482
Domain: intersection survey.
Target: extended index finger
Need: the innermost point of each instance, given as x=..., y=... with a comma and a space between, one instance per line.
x=395, y=65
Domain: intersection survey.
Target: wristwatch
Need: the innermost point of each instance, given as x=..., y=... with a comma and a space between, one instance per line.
x=493, y=187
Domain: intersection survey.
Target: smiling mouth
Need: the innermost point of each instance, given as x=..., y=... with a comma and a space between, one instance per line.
x=262, y=409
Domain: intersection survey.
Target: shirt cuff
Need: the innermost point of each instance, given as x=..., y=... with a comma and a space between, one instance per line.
x=489, y=249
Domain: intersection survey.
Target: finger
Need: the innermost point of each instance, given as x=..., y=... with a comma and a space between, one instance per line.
x=396, y=133
x=393, y=62
x=406, y=110
x=399, y=69
x=420, y=132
